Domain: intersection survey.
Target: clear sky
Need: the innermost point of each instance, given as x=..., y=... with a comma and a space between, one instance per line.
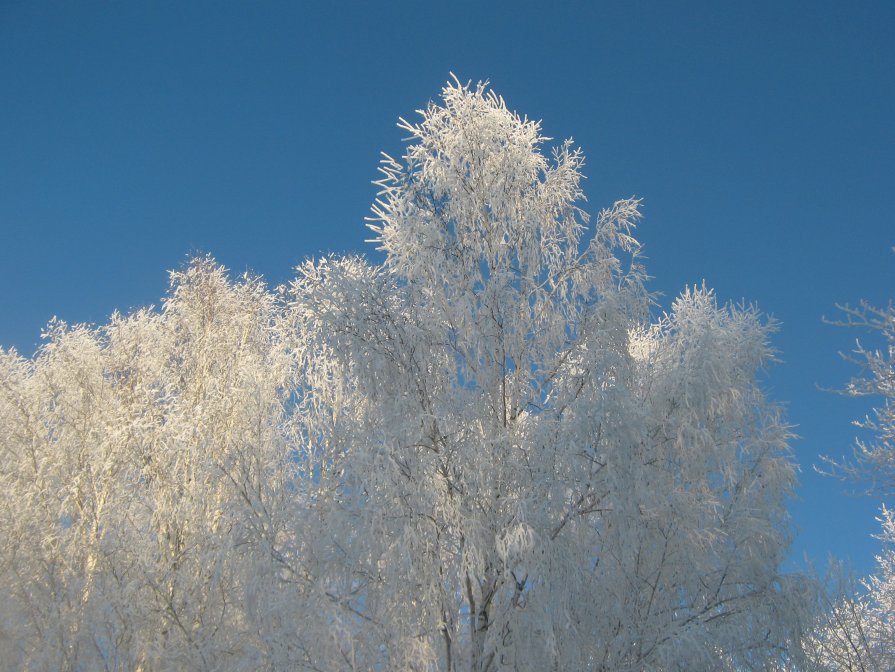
x=760, y=135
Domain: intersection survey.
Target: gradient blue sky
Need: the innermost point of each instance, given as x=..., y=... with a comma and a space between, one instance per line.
x=759, y=134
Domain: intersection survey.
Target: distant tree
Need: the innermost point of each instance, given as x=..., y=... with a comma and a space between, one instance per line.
x=480, y=455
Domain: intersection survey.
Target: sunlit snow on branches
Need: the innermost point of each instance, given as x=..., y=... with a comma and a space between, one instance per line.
x=480, y=455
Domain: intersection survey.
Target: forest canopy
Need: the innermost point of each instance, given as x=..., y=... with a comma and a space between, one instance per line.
x=486, y=453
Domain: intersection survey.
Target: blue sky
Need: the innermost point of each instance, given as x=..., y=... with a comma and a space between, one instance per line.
x=760, y=135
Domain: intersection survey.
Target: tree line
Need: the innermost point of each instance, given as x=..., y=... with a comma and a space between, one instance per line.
x=486, y=453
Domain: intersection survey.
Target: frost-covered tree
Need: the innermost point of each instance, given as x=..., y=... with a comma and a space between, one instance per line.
x=149, y=512
x=873, y=462
x=481, y=455
x=857, y=632
x=522, y=472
